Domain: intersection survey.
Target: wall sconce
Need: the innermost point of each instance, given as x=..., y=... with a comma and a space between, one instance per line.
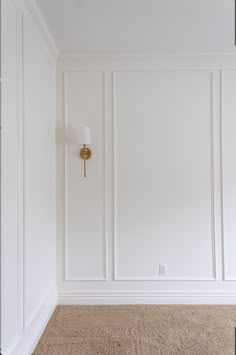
x=85, y=152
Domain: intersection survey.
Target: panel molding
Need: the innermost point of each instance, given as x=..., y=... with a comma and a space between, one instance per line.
x=226, y=276
x=28, y=24
x=212, y=187
x=105, y=202
x=25, y=336
x=21, y=177
x=20, y=164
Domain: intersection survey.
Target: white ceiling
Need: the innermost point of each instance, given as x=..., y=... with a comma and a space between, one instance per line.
x=159, y=26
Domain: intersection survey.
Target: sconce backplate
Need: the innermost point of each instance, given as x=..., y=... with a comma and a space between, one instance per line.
x=85, y=153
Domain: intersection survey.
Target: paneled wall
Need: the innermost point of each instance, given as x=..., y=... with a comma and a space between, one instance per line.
x=154, y=219
x=28, y=241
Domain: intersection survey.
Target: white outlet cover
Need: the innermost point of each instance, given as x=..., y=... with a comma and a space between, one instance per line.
x=162, y=269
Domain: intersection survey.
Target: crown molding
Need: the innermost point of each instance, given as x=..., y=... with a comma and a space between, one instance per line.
x=108, y=61
x=144, y=54
x=40, y=19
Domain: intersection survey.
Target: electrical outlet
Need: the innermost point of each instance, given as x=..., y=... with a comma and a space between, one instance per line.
x=162, y=269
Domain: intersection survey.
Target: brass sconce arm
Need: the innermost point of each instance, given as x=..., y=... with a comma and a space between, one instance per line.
x=85, y=154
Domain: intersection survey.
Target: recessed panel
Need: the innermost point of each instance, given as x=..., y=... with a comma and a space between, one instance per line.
x=163, y=175
x=85, y=257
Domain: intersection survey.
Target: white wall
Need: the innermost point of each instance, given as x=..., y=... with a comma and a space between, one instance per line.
x=160, y=185
x=28, y=253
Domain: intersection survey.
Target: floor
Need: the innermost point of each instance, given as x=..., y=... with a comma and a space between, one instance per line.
x=140, y=329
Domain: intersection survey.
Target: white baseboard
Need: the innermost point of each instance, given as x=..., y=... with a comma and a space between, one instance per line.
x=35, y=328
x=157, y=297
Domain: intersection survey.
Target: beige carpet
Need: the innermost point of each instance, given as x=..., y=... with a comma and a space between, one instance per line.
x=140, y=329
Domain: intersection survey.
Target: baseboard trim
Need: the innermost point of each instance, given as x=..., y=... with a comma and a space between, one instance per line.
x=28, y=340
x=160, y=297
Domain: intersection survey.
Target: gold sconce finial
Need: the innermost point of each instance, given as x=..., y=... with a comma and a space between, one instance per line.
x=85, y=152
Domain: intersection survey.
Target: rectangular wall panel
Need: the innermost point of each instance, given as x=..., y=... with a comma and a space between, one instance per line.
x=229, y=171
x=163, y=175
x=28, y=238
x=85, y=237
x=39, y=169
x=9, y=178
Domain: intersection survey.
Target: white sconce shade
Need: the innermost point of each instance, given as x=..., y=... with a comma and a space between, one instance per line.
x=85, y=137
x=85, y=140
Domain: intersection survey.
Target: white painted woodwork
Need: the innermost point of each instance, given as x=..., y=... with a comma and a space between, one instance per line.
x=39, y=166
x=85, y=243
x=28, y=240
x=159, y=186
x=163, y=174
x=9, y=178
x=162, y=182
x=229, y=172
